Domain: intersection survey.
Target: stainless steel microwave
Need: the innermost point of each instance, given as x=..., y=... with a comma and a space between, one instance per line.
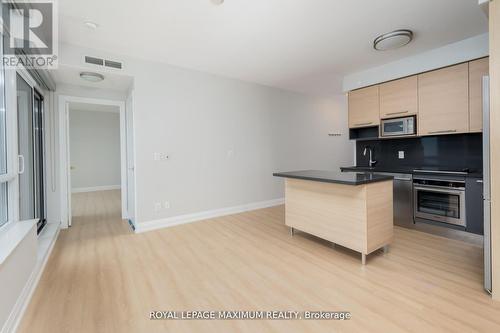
x=398, y=127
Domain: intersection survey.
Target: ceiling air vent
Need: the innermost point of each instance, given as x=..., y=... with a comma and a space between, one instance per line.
x=113, y=64
x=94, y=61
x=103, y=62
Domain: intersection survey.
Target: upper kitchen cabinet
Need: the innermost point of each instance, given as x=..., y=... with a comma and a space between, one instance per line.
x=399, y=98
x=364, y=107
x=443, y=97
x=477, y=69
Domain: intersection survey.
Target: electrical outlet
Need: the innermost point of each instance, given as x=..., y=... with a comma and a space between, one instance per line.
x=161, y=206
x=160, y=156
x=401, y=155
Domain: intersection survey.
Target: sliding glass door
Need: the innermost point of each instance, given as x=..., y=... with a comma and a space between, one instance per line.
x=25, y=149
x=30, y=148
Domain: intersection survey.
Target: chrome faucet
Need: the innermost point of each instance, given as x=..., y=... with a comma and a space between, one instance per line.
x=371, y=162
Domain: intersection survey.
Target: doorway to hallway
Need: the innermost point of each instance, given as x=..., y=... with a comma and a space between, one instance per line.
x=96, y=154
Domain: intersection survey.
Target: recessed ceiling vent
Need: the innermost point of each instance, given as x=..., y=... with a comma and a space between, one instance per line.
x=103, y=62
x=113, y=64
x=94, y=61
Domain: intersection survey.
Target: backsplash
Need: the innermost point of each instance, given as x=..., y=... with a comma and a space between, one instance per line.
x=446, y=151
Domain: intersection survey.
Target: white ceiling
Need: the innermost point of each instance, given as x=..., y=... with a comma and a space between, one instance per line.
x=70, y=75
x=302, y=45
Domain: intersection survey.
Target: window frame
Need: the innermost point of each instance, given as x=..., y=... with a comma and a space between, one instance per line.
x=11, y=177
x=8, y=177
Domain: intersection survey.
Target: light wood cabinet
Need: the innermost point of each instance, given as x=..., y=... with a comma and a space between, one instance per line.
x=364, y=107
x=399, y=98
x=477, y=69
x=443, y=99
x=363, y=214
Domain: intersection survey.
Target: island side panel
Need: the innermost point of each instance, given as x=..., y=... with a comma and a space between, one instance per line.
x=334, y=212
x=380, y=226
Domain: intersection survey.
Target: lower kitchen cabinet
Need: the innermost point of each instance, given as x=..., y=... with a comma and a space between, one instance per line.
x=474, y=205
x=403, y=200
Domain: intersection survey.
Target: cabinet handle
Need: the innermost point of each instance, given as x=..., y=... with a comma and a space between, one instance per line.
x=364, y=124
x=394, y=113
x=479, y=181
x=442, y=132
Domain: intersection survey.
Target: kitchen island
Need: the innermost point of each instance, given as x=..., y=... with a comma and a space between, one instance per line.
x=353, y=210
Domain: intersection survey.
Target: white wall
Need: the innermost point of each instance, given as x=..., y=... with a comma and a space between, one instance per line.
x=224, y=137
x=461, y=51
x=94, y=149
x=15, y=272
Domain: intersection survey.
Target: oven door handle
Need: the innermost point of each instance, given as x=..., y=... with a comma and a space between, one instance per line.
x=441, y=189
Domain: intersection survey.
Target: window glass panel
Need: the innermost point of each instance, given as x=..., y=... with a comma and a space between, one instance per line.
x=4, y=214
x=4, y=197
x=3, y=142
x=26, y=149
x=393, y=127
x=3, y=127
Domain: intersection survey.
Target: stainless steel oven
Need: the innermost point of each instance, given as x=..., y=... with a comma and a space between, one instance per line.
x=440, y=200
x=398, y=127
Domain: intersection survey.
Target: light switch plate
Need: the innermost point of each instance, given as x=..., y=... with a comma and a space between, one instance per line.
x=401, y=155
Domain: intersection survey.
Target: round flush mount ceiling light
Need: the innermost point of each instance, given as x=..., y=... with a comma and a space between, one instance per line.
x=393, y=40
x=91, y=25
x=91, y=76
x=217, y=2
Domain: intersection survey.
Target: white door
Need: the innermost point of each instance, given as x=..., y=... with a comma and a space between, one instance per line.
x=129, y=108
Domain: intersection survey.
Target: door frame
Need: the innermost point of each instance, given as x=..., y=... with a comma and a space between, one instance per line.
x=130, y=137
x=65, y=180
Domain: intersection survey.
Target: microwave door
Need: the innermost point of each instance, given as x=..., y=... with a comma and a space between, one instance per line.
x=394, y=127
x=398, y=126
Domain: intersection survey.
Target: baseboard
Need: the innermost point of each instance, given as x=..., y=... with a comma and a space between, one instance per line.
x=96, y=188
x=24, y=299
x=190, y=218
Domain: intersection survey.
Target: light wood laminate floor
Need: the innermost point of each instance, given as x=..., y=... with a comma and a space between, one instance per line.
x=103, y=278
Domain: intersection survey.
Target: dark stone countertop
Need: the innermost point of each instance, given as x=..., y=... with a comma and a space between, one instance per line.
x=410, y=170
x=349, y=178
